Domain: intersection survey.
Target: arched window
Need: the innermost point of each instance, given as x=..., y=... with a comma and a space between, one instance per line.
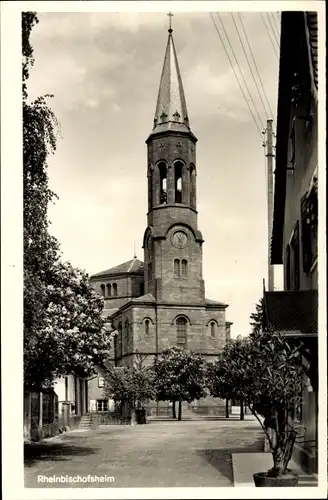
x=212, y=328
x=192, y=185
x=147, y=326
x=150, y=188
x=109, y=290
x=102, y=287
x=176, y=268
x=126, y=337
x=150, y=271
x=181, y=325
x=119, y=340
x=178, y=181
x=184, y=268
x=163, y=182
x=114, y=289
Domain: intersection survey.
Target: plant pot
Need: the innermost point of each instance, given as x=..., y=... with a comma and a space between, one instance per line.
x=261, y=479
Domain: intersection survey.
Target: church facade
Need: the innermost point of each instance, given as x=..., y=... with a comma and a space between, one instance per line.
x=161, y=301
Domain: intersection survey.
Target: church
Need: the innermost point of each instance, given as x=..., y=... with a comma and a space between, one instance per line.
x=161, y=302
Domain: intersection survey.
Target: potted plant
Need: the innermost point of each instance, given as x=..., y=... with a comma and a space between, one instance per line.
x=131, y=387
x=266, y=371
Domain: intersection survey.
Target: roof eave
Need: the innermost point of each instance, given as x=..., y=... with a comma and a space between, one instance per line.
x=282, y=136
x=163, y=133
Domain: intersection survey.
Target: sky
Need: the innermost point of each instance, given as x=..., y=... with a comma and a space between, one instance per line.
x=104, y=71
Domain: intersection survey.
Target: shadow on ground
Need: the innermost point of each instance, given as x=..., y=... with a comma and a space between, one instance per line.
x=197, y=418
x=34, y=452
x=221, y=459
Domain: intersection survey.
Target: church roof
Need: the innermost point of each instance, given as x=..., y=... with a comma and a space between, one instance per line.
x=107, y=313
x=133, y=266
x=210, y=302
x=171, y=110
x=148, y=297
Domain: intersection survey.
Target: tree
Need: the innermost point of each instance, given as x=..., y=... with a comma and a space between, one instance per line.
x=266, y=371
x=130, y=387
x=257, y=317
x=73, y=336
x=63, y=329
x=179, y=376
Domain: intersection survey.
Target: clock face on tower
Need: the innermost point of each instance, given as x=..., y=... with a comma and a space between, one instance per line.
x=180, y=239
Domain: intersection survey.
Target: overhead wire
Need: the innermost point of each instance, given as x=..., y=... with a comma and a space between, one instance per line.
x=250, y=67
x=275, y=23
x=233, y=69
x=242, y=75
x=255, y=64
x=273, y=29
x=268, y=31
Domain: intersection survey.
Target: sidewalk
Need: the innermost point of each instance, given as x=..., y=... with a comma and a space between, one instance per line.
x=244, y=465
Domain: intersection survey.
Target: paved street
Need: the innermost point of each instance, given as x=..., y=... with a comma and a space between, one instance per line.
x=182, y=454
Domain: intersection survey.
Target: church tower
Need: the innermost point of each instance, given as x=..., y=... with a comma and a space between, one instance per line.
x=161, y=302
x=172, y=241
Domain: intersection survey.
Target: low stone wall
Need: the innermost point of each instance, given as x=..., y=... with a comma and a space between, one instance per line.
x=73, y=422
x=209, y=410
x=108, y=418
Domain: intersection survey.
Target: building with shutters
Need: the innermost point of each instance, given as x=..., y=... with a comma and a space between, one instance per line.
x=294, y=311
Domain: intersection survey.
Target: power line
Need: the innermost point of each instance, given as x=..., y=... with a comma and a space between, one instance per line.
x=276, y=24
x=250, y=67
x=233, y=69
x=266, y=27
x=272, y=28
x=254, y=61
x=250, y=95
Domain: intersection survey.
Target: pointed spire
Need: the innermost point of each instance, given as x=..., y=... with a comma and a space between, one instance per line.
x=171, y=110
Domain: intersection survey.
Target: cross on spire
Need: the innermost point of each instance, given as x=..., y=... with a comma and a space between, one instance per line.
x=170, y=21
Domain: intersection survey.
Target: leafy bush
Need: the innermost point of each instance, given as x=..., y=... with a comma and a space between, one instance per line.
x=266, y=371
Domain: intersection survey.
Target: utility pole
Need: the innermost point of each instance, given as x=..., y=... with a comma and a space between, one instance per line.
x=269, y=163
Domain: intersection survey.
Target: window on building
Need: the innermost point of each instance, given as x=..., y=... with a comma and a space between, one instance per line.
x=101, y=382
x=150, y=188
x=114, y=289
x=212, y=328
x=178, y=165
x=102, y=288
x=177, y=268
x=181, y=325
x=309, y=214
x=184, y=268
x=109, y=290
x=119, y=340
x=150, y=271
x=163, y=182
x=295, y=259
x=147, y=326
x=192, y=186
x=102, y=405
x=126, y=336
